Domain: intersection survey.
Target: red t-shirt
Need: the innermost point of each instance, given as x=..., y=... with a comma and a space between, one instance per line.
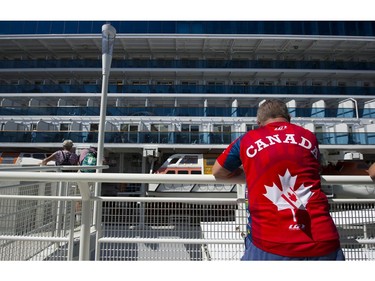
x=289, y=212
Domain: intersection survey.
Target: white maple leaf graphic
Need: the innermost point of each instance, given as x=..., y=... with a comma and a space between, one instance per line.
x=288, y=197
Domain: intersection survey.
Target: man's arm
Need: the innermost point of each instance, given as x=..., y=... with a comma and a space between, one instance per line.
x=220, y=172
x=371, y=172
x=49, y=158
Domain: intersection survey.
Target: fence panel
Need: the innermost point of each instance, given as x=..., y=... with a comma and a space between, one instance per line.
x=41, y=221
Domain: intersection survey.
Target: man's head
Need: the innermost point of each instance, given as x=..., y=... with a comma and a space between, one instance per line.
x=68, y=144
x=271, y=109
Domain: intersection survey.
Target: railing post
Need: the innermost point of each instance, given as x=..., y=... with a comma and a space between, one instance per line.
x=84, y=244
x=59, y=213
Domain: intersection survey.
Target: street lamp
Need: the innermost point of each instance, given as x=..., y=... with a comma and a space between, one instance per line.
x=108, y=40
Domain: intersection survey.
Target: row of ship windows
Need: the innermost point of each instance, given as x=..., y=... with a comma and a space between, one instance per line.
x=339, y=138
x=207, y=64
x=43, y=126
x=255, y=82
x=351, y=28
x=313, y=112
x=361, y=88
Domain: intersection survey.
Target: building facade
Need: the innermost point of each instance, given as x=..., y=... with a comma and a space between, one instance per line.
x=184, y=86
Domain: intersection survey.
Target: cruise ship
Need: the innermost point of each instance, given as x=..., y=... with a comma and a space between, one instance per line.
x=185, y=87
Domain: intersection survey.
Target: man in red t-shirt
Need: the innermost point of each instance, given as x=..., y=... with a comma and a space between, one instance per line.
x=288, y=212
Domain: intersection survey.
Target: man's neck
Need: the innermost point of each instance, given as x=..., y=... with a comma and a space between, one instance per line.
x=272, y=120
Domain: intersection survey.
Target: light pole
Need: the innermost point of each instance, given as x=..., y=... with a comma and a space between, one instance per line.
x=108, y=40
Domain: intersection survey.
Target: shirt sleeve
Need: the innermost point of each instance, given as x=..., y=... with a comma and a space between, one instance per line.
x=230, y=158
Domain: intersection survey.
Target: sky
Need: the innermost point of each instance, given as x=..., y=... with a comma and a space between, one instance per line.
x=187, y=10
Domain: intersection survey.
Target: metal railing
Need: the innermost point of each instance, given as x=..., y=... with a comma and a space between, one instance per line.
x=49, y=216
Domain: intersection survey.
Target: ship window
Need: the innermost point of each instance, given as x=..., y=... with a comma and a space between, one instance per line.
x=39, y=155
x=174, y=160
x=189, y=128
x=159, y=128
x=164, y=83
x=139, y=83
x=241, y=83
x=33, y=126
x=128, y=128
x=250, y=127
x=189, y=160
x=94, y=127
x=65, y=127
x=189, y=83
x=196, y=172
x=291, y=83
x=170, y=172
x=183, y=172
x=215, y=83
x=265, y=83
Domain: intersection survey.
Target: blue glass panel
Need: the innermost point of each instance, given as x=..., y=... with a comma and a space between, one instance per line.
x=85, y=26
x=10, y=27
x=345, y=112
x=71, y=27
x=30, y=27
x=96, y=27
x=44, y=27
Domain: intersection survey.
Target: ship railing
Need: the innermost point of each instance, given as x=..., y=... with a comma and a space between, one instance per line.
x=39, y=221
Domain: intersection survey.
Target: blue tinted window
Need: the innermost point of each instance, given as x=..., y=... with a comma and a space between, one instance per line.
x=169, y=27
x=96, y=27
x=86, y=26
x=43, y=27
x=57, y=27
x=71, y=27
x=324, y=29
x=11, y=28
x=311, y=28
x=154, y=27
x=136, y=27
x=338, y=28
x=351, y=28
x=30, y=28
x=182, y=27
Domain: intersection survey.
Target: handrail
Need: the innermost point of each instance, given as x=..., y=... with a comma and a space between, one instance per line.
x=154, y=178
x=49, y=168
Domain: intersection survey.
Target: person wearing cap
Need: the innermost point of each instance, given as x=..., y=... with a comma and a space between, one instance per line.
x=64, y=156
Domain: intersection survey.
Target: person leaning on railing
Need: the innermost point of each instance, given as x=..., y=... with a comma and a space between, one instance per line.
x=64, y=156
x=289, y=215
